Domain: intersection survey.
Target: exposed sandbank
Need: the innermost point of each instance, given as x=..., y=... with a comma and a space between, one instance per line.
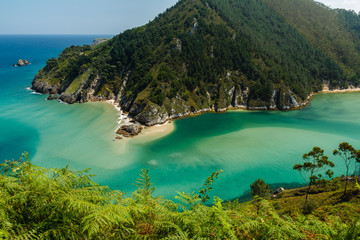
x=155, y=132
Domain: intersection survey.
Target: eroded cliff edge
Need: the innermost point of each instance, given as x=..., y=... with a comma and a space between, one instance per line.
x=143, y=110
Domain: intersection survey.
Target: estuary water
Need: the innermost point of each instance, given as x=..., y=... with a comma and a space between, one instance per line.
x=245, y=145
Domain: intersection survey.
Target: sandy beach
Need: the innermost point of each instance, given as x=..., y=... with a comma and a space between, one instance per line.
x=155, y=132
x=326, y=89
x=340, y=90
x=148, y=133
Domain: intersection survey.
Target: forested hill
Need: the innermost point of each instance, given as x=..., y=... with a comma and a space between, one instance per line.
x=334, y=32
x=213, y=54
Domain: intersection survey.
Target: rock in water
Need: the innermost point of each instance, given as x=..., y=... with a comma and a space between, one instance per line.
x=130, y=130
x=53, y=97
x=22, y=63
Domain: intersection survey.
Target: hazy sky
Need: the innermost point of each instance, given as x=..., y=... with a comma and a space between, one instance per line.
x=347, y=4
x=92, y=16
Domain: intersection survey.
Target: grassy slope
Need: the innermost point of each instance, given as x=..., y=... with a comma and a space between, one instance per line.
x=326, y=200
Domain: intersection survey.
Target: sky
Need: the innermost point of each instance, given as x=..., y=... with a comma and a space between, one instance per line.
x=77, y=16
x=347, y=4
x=92, y=16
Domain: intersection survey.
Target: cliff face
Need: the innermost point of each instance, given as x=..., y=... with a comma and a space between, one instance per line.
x=198, y=56
x=141, y=109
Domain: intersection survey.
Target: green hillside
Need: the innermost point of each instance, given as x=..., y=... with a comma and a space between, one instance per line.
x=203, y=55
x=334, y=32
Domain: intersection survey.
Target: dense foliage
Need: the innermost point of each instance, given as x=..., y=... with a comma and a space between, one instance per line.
x=351, y=157
x=260, y=188
x=38, y=203
x=283, y=55
x=202, y=54
x=334, y=32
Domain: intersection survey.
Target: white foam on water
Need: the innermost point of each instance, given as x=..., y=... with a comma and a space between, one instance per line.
x=62, y=102
x=118, y=108
x=153, y=163
x=160, y=125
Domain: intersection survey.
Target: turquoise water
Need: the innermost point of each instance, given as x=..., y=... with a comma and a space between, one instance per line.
x=246, y=145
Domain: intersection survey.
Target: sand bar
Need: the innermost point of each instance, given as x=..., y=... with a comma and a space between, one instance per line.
x=340, y=90
x=155, y=132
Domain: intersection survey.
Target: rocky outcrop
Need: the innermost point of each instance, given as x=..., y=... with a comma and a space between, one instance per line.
x=21, y=63
x=152, y=115
x=129, y=130
x=98, y=41
x=82, y=93
x=44, y=87
x=53, y=97
x=68, y=98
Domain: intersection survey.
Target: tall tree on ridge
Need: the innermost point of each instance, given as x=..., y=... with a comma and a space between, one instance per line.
x=315, y=161
x=348, y=153
x=357, y=163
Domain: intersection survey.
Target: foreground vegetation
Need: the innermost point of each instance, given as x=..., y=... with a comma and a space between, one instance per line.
x=39, y=203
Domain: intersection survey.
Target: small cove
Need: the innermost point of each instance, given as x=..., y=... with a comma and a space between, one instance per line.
x=246, y=145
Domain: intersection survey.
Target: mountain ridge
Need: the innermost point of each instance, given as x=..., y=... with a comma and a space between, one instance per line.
x=199, y=55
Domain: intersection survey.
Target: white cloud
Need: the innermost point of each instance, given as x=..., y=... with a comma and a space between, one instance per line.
x=346, y=4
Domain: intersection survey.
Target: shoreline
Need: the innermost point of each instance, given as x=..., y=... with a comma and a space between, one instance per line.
x=348, y=90
x=155, y=132
x=148, y=133
x=160, y=130
x=326, y=90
